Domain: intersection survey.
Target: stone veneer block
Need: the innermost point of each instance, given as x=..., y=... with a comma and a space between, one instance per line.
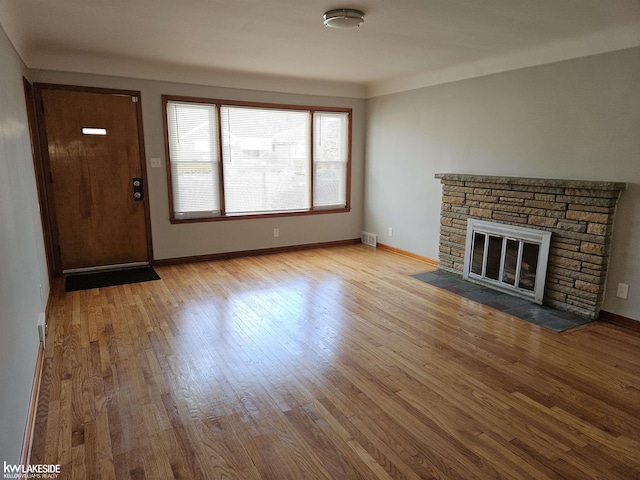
x=579, y=213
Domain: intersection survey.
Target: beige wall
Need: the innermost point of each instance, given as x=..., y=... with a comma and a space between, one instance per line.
x=577, y=119
x=175, y=241
x=22, y=260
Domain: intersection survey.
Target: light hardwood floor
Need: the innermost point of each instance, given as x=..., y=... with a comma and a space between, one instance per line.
x=327, y=364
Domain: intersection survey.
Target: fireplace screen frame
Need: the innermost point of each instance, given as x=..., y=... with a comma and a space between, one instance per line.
x=506, y=233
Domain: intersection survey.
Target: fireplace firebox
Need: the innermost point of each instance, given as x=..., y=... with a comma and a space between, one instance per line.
x=508, y=258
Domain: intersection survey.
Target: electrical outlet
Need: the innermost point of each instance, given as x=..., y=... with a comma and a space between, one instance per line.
x=155, y=162
x=276, y=232
x=623, y=290
x=390, y=232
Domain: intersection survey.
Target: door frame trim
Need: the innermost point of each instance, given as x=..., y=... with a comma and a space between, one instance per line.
x=51, y=226
x=38, y=167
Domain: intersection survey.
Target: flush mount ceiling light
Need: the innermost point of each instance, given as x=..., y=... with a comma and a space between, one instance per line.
x=343, y=18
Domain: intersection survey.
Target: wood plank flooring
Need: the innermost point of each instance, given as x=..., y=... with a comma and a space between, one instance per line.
x=327, y=364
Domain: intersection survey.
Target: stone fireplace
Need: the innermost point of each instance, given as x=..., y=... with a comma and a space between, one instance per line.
x=578, y=214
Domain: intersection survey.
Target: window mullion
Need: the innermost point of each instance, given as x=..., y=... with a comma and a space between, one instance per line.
x=311, y=160
x=348, y=166
x=223, y=210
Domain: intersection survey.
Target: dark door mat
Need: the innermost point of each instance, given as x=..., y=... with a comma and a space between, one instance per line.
x=110, y=278
x=546, y=317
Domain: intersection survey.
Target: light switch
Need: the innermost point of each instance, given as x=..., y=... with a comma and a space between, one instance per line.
x=155, y=162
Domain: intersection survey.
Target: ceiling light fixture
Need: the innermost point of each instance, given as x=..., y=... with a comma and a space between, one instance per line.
x=343, y=18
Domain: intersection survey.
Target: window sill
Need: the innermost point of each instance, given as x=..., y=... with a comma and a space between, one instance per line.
x=224, y=218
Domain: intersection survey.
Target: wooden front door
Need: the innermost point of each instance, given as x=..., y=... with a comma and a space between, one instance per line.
x=94, y=156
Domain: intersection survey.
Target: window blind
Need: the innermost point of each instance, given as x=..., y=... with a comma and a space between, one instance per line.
x=330, y=156
x=193, y=149
x=266, y=163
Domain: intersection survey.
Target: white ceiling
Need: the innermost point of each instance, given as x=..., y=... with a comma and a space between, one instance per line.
x=402, y=44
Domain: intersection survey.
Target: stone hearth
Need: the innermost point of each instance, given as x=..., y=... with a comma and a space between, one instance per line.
x=579, y=214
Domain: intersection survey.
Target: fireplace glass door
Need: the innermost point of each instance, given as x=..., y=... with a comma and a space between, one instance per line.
x=507, y=259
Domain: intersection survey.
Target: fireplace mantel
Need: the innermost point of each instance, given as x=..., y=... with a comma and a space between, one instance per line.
x=578, y=213
x=541, y=182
